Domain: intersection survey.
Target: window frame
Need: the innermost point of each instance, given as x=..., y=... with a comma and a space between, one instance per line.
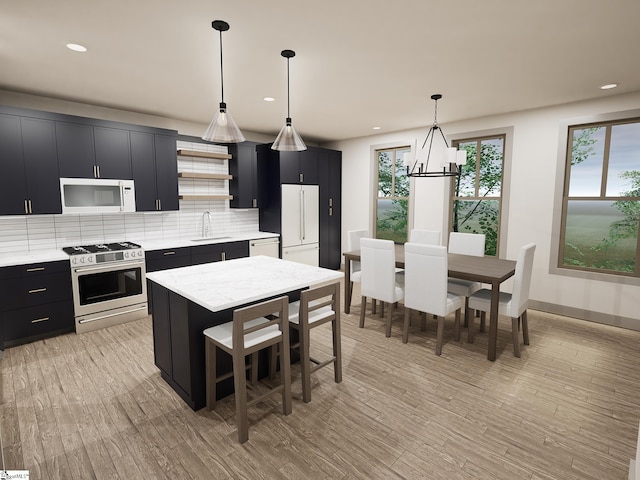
x=602, y=197
x=376, y=184
x=478, y=138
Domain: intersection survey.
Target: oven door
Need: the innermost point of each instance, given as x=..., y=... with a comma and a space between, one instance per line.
x=107, y=287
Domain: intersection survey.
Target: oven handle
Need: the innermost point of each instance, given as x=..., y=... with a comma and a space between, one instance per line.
x=87, y=320
x=118, y=266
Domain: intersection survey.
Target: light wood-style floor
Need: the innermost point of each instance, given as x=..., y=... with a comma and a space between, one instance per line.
x=94, y=406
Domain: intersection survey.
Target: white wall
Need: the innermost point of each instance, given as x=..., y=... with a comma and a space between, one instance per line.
x=533, y=174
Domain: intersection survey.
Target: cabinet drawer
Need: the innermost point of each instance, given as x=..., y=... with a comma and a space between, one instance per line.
x=37, y=290
x=168, y=258
x=206, y=253
x=24, y=323
x=34, y=269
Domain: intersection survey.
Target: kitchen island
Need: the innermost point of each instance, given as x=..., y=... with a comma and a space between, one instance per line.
x=188, y=300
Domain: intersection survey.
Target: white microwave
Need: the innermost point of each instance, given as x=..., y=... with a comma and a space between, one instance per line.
x=97, y=195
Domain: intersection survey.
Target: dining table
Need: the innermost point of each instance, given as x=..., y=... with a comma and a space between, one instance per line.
x=486, y=269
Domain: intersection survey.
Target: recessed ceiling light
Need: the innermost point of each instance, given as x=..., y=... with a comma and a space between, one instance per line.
x=269, y=99
x=376, y=128
x=76, y=48
x=608, y=86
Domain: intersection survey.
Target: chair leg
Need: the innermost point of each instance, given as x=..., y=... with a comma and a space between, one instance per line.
x=516, y=337
x=405, y=328
x=525, y=327
x=254, y=368
x=273, y=361
x=285, y=371
x=350, y=293
x=337, y=349
x=305, y=363
x=382, y=309
x=456, y=326
x=389, y=317
x=363, y=307
x=373, y=306
x=471, y=330
x=211, y=373
x=439, y=335
x=466, y=312
x=483, y=320
x=240, y=386
x=423, y=321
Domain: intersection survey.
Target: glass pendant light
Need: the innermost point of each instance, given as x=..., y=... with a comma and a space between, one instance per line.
x=288, y=139
x=222, y=128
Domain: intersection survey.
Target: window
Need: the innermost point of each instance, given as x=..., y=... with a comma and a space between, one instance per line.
x=392, y=198
x=477, y=191
x=601, y=200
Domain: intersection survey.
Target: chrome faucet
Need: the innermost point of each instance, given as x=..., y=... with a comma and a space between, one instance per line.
x=206, y=224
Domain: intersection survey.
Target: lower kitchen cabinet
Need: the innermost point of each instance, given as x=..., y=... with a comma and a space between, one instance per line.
x=36, y=301
x=217, y=252
x=167, y=258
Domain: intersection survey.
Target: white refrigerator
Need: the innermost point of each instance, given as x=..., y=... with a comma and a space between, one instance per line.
x=300, y=227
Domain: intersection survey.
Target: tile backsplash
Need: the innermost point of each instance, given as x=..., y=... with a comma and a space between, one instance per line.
x=29, y=233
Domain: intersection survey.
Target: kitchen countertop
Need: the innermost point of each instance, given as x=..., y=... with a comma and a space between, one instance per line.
x=221, y=285
x=56, y=254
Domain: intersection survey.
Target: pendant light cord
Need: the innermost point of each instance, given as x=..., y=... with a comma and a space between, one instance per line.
x=221, y=72
x=288, y=100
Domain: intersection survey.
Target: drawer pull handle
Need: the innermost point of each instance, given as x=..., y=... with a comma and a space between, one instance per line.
x=36, y=269
x=38, y=290
x=169, y=253
x=38, y=320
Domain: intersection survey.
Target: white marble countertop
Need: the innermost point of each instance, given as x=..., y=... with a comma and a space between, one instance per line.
x=222, y=285
x=55, y=254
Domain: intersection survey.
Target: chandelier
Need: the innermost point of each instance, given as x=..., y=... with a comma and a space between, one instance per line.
x=449, y=164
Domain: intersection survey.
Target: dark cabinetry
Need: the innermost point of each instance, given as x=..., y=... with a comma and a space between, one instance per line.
x=217, y=252
x=243, y=167
x=88, y=151
x=330, y=174
x=155, y=171
x=298, y=167
x=35, y=301
x=167, y=258
x=29, y=181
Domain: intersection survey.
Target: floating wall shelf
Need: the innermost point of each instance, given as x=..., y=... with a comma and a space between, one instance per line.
x=194, y=153
x=205, y=197
x=209, y=176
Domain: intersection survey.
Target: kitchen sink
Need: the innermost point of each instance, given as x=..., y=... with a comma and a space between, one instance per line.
x=206, y=239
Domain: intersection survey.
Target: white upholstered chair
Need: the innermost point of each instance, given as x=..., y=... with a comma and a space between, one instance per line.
x=353, y=243
x=513, y=304
x=466, y=244
x=249, y=332
x=379, y=279
x=316, y=307
x=425, y=273
x=427, y=237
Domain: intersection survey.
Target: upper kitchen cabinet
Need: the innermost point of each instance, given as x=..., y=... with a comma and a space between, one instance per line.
x=294, y=167
x=330, y=173
x=155, y=171
x=243, y=167
x=29, y=181
x=88, y=151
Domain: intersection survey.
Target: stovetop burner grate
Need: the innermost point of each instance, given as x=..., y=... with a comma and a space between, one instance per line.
x=100, y=247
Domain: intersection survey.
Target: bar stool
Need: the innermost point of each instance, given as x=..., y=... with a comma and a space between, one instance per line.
x=248, y=333
x=316, y=307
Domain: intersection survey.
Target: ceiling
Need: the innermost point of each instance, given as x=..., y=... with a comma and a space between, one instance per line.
x=359, y=63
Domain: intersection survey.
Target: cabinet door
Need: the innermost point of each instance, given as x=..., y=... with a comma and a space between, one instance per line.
x=41, y=320
x=161, y=328
x=206, y=253
x=76, y=154
x=144, y=171
x=330, y=170
x=41, y=165
x=13, y=188
x=236, y=250
x=309, y=166
x=166, y=172
x=112, y=153
x=168, y=258
x=289, y=167
x=244, y=184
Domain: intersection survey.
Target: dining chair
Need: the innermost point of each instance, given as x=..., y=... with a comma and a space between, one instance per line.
x=316, y=307
x=428, y=237
x=425, y=273
x=466, y=244
x=379, y=279
x=353, y=243
x=513, y=304
x=249, y=332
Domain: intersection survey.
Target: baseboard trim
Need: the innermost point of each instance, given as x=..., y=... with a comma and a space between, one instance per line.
x=588, y=315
